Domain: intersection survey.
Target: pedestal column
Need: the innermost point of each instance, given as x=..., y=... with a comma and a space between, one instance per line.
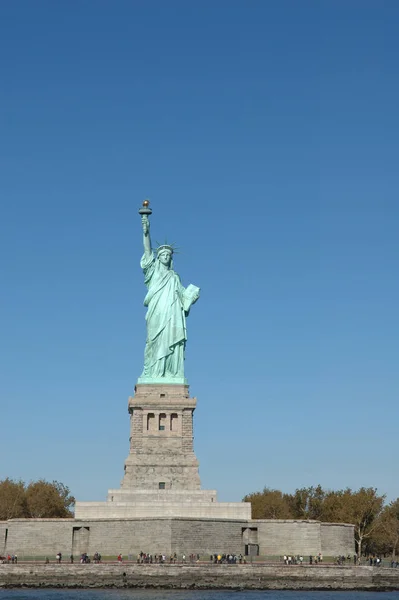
x=161, y=439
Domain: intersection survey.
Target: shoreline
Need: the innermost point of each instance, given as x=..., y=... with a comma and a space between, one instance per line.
x=232, y=577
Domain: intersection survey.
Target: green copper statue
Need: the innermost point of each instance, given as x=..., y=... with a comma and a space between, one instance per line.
x=168, y=305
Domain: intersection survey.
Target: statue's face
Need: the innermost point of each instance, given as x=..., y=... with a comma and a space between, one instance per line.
x=165, y=258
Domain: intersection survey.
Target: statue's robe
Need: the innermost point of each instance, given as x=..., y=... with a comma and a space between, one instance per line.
x=166, y=321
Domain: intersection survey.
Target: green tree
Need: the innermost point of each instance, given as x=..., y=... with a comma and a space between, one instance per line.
x=49, y=500
x=269, y=504
x=388, y=528
x=334, y=510
x=362, y=508
x=307, y=503
x=12, y=499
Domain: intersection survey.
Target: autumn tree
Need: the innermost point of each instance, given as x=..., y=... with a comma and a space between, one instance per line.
x=334, y=507
x=48, y=500
x=388, y=527
x=39, y=499
x=269, y=504
x=12, y=499
x=362, y=508
x=307, y=503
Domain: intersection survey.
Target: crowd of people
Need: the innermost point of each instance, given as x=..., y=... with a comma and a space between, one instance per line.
x=9, y=558
x=146, y=558
x=294, y=560
x=230, y=559
x=84, y=558
x=376, y=561
x=221, y=558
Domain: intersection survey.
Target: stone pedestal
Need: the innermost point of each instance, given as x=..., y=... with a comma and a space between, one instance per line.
x=161, y=453
x=161, y=471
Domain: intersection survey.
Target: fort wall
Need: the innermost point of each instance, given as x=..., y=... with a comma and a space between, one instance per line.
x=204, y=536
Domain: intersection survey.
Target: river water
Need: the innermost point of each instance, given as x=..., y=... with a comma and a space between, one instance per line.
x=40, y=594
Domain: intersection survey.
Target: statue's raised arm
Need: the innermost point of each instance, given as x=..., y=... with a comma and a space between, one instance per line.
x=146, y=234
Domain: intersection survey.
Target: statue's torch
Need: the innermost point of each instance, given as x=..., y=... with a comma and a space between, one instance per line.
x=145, y=210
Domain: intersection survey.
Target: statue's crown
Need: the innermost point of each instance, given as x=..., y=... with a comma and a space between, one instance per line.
x=170, y=247
x=165, y=247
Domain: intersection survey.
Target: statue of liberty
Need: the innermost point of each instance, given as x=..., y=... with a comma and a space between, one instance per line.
x=168, y=305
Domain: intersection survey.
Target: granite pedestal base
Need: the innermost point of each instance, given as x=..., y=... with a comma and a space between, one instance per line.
x=161, y=476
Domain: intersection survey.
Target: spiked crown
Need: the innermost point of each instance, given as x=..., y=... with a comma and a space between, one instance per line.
x=170, y=247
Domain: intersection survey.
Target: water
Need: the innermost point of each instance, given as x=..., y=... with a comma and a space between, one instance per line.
x=36, y=594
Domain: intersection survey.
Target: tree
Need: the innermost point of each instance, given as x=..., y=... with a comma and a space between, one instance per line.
x=389, y=527
x=362, y=508
x=334, y=507
x=269, y=504
x=307, y=503
x=12, y=499
x=38, y=499
x=47, y=500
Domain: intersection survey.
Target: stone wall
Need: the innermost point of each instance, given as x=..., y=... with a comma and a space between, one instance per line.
x=130, y=537
x=278, y=537
x=200, y=577
x=162, y=496
x=46, y=537
x=3, y=530
x=337, y=539
x=146, y=510
x=207, y=537
x=41, y=537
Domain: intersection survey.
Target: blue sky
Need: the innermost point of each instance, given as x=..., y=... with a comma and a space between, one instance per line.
x=266, y=136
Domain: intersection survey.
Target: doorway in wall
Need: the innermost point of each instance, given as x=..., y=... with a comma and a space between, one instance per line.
x=80, y=540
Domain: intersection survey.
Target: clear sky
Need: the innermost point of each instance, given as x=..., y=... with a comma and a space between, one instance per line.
x=266, y=135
